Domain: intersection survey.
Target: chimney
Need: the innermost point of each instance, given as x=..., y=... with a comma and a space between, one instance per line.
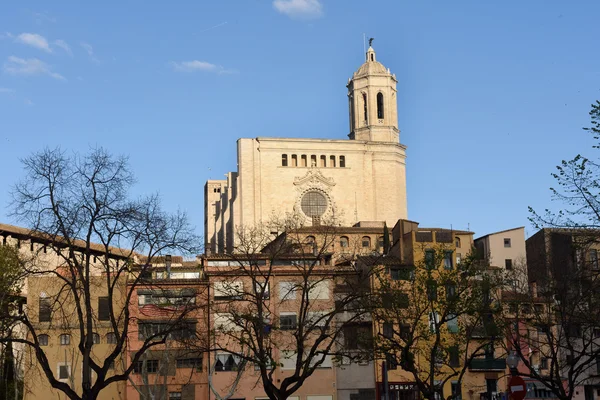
x=168, y=265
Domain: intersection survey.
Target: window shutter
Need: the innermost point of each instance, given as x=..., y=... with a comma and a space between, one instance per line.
x=103, y=309
x=45, y=310
x=188, y=392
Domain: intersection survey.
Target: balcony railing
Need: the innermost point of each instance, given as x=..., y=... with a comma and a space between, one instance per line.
x=487, y=364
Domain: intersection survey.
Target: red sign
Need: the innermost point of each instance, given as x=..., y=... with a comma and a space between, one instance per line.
x=517, y=388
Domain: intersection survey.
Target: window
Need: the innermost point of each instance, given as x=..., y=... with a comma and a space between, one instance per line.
x=95, y=338
x=593, y=256
x=43, y=339
x=452, y=323
x=313, y=160
x=344, y=241
x=287, y=290
x=448, y=260
x=318, y=290
x=405, y=332
x=401, y=274
x=45, y=309
x=323, y=161
x=64, y=371
x=434, y=320
x=227, y=362
x=103, y=309
x=342, y=161
x=317, y=320
x=195, y=363
x=429, y=259
x=111, y=338
x=287, y=320
x=288, y=359
x=64, y=340
x=313, y=203
x=228, y=290
x=174, y=395
x=390, y=360
x=458, y=258
x=491, y=385
x=365, y=109
x=543, y=363
x=432, y=290
x=388, y=330
x=508, y=264
x=453, y=356
x=357, y=336
x=262, y=288
x=294, y=160
x=332, y=161
x=380, y=105
x=303, y=160
x=366, y=242
x=456, y=390
x=506, y=242
x=380, y=242
x=151, y=366
x=450, y=291
x=284, y=160
x=457, y=242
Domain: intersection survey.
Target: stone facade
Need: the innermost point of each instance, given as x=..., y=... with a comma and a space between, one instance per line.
x=346, y=181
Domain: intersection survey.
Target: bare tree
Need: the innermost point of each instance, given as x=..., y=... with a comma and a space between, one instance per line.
x=78, y=207
x=554, y=328
x=288, y=333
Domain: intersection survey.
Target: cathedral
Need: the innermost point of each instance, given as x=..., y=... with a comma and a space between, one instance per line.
x=358, y=179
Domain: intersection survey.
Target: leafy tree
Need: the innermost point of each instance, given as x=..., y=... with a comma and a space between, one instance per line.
x=12, y=266
x=432, y=319
x=79, y=208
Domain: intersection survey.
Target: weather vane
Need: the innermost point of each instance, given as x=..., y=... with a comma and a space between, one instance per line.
x=371, y=41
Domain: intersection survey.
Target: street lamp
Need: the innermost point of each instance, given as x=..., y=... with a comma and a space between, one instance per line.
x=512, y=361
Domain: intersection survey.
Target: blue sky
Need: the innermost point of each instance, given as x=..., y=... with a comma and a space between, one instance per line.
x=492, y=94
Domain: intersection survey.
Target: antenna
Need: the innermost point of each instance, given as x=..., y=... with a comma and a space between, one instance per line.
x=364, y=43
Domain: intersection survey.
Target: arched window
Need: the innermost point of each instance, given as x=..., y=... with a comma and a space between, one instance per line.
x=64, y=339
x=332, y=161
x=366, y=118
x=303, y=159
x=95, y=338
x=380, y=242
x=457, y=241
x=380, y=105
x=43, y=339
x=323, y=161
x=342, y=161
x=344, y=241
x=313, y=160
x=366, y=242
x=284, y=160
x=294, y=160
x=111, y=338
x=309, y=240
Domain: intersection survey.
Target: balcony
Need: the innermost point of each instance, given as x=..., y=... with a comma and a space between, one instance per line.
x=487, y=364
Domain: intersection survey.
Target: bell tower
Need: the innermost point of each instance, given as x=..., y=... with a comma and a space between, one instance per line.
x=372, y=102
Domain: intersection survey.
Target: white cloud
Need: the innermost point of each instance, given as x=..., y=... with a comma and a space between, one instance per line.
x=299, y=8
x=31, y=66
x=6, y=90
x=34, y=40
x=195, y=65
x=63, y=45
x=90, y=50
x=29, y=102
